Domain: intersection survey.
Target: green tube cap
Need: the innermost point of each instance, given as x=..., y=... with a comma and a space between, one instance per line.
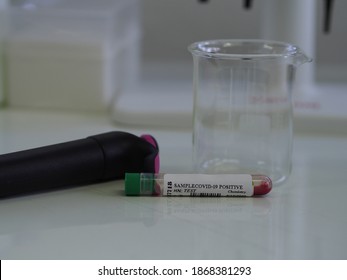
x=132, y=184
x=139, y=183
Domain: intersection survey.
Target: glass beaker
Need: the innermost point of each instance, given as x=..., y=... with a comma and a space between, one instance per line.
x=243, y=106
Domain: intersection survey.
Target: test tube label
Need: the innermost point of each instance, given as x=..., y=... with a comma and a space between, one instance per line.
x=208, y=185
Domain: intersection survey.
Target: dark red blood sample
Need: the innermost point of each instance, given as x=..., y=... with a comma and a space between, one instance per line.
x=264, y=187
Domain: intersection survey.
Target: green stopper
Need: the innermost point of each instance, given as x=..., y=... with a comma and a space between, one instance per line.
x=139, y=183
x=132, y=183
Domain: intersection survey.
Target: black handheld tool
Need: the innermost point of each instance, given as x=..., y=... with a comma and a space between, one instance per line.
x=94, y=159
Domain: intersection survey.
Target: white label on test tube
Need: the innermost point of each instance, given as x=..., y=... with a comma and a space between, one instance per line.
x=208, y=185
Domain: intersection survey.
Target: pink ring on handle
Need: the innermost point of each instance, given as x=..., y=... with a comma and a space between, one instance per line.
x=150, y=139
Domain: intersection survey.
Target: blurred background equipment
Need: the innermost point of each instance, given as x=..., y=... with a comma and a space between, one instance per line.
x=130, y=57
x=167, y=69
x=69, y=54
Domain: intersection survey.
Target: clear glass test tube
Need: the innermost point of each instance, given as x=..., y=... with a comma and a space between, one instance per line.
x=218, y=185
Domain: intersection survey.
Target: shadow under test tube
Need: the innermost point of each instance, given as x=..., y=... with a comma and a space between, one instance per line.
x=216, y=185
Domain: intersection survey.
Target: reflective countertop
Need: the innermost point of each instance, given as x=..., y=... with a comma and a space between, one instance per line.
x=305, y=218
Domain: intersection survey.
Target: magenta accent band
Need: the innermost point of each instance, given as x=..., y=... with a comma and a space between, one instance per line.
x=150, y=139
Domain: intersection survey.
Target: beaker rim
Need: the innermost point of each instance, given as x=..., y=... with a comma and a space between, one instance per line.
x=244, y=49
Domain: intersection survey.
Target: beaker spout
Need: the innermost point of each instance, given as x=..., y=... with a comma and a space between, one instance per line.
x=301, y=58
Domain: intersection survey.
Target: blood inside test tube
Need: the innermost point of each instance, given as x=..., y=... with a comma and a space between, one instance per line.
x=262, y=184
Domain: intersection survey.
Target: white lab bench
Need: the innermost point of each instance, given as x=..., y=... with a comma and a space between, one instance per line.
x=306, y=218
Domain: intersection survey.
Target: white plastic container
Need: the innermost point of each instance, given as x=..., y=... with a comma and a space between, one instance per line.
x=3, y=8
x=67, y=54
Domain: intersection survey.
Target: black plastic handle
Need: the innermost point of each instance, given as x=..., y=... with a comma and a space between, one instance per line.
x=328, y=7
x=94, y=159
